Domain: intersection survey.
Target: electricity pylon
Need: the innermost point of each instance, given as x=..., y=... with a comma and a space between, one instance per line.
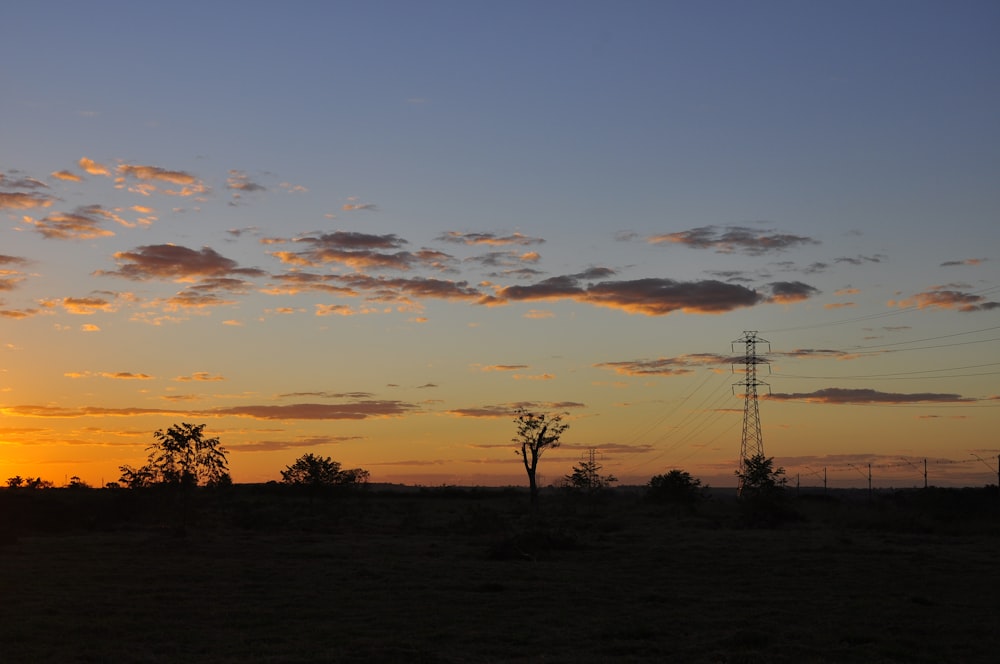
x=752, y=444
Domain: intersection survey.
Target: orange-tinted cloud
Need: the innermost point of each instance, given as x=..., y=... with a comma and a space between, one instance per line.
x=174, y=262
x=356, y=250
x=91, y=167
x=666, y=366
x=503, y=367
x=298, y=443
x=788, y=292
x=509, y=410
x=941, y=297
x=240, y=181
x=21, y=201
x=68, y=176
x=114, y=375
x=836, y=395
x=199, y=376
x=359, y=410
x=651, y=296
x=967, y=261
x=86, y=306
x=731, y=239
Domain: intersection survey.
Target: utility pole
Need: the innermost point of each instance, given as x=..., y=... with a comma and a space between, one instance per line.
x=751, y=444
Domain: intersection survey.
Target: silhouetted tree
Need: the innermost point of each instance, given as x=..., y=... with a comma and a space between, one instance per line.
x=675, y=486
x=15, y=482
x=181, y=456
x=586, y=476
x=536, y=432
x=312, y=470
x=760, y=480
x=76, y=483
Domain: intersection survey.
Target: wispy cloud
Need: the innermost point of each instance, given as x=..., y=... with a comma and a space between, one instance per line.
x=492, y=239
x=18, y=200
x=944, y=297
x=840, y=396
x=731, y=239
x=967, y=262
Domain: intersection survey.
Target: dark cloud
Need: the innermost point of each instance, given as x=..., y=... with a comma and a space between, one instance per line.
x=488, y=239
x=240, y=181
x=356, y=250
x=157, y=173
x=860, y=260
x=665, y=366
x=359, y=410
x=730, y=239
x=835, y=395
x=787, y=292
x=22, y=182
x=941, y=297
x=84, y=223
x=359, y=396
x=299, y=443
x=967, y=261
x=510, y=409
x=170, y=261
x=652, y=296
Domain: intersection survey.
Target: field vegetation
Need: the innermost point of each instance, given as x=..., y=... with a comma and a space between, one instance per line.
x=289, y=573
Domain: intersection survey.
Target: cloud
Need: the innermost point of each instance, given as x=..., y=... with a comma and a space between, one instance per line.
x=788, y=292
x=860, y=260
x=21, y=201
x=508, y=410
x=303, y=411
x=651, y=296
x=199, y=376
x=967, y=261
x=835, y=395
x=86, y=306
x=278, y=445
x=942, y=297
x=240, y=181
x=82, y=224
x=116, y=375
x=67, y=176
x=174, y=262
x=22, y=182
x=91, y=167
x=503, y=367
x=667, y=366
x=731, y=239
x=489, y=239
x=356, y=250
x=360, y=410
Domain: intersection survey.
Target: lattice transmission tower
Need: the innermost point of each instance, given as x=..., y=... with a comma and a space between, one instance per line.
x=752, y=443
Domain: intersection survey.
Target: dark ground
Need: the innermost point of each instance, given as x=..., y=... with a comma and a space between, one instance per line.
x=262, y=574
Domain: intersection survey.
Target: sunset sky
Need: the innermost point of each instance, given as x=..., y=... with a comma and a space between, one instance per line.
x=371, y=230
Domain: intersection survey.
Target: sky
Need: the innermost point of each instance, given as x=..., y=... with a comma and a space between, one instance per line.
x=373, y=230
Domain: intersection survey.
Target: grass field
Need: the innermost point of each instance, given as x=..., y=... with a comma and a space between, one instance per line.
x=473, y=576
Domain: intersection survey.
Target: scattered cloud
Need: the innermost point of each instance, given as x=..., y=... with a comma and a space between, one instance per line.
x=667, y=366
x=18, y=200
x=491, y=239
x=651, y=296
x=942, y=297
x=298, y=443
x=732, y=239
x=67, y=176
x=788, y=292
x=91, y=167
x=176, y=263
x=860, y=260
x=359, y=410
x=115, y=375
x=967, y=261
x=835, y=395
x=200, y=376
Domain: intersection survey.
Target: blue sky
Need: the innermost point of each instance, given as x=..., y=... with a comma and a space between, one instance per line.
x=520, y=203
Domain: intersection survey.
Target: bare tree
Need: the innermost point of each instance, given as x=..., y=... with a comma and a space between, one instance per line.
x=536, y=432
